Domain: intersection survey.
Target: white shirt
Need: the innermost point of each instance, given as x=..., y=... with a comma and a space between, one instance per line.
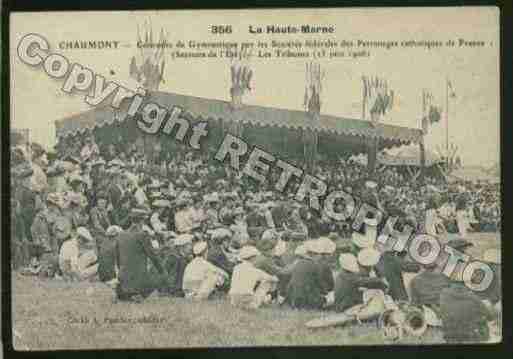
x=432, y=220
x=199, y=270
x=140, y=196
x=69, y=251
x=184, y=221
x=157, y=224
x=240, y=232
x=38, y=181
x=245, y=277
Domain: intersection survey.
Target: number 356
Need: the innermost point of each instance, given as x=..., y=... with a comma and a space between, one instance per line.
x=221, y=29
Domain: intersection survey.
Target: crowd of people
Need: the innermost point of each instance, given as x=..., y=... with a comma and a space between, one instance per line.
x=182, y=224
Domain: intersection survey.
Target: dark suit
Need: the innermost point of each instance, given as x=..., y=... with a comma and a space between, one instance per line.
x=174, y=264
x=217, y=257
x=464, y=317
x=347, y=293
x=133, y=249
x=99, y=224
x=425, y=288
x=27, y=199
x=391, y=267
x=308, y=285
x=107, y=260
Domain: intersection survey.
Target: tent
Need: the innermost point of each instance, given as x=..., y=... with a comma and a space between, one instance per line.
x=279, y=131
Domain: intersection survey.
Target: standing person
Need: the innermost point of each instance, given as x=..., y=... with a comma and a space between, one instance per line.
x=38, y=180
x=310, y=283
x=76, y=210
x=201, y=278
x=20, y=245
x=240, y=227
x=295, y=228
x=98, y=180
x=159, y=220
x=27, y=199
x=212, y=213
x=116, y=193
x=391, y=266
x=183, y=217
x=432, y=221
x=462, y=218
x=107, y=270
x=175, y=259
x=250, y=286
x=133, y=250
x=99, y=218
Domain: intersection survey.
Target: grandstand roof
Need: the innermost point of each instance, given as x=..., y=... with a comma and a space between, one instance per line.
x=255, y=115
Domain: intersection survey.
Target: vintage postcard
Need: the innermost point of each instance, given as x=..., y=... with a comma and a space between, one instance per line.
x=255, y=177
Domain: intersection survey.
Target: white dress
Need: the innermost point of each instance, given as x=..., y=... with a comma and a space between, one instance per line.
x=463, y=222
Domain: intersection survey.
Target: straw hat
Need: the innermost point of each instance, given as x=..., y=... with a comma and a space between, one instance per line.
x=116, y=163
x=368, y=257
x=98, y=162
x=371, y=222
x=349, y=262
x=84, y=233
x=113, y=231
x=248, y=252
x=183, y=239
x=161, y=203
x=211, y=198
x=314, y=246
x=371, y=184
x=327, y=245
x=54, y=198
x=238, y=211
x=140, y=211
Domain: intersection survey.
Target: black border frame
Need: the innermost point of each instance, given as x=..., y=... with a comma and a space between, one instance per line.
x=455, y=351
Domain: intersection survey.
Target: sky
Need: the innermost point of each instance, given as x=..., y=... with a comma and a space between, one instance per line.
x=474, y=115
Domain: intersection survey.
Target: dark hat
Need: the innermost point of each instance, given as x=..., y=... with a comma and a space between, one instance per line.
x=459, y=244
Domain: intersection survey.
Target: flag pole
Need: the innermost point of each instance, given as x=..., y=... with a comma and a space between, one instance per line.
x=447, y=122
x=421, y=144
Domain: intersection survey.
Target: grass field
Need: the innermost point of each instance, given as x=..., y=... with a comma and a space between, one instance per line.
x=50, y=314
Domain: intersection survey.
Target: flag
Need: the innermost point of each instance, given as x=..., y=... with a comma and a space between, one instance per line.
x=452, y=93
x=434, y=114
